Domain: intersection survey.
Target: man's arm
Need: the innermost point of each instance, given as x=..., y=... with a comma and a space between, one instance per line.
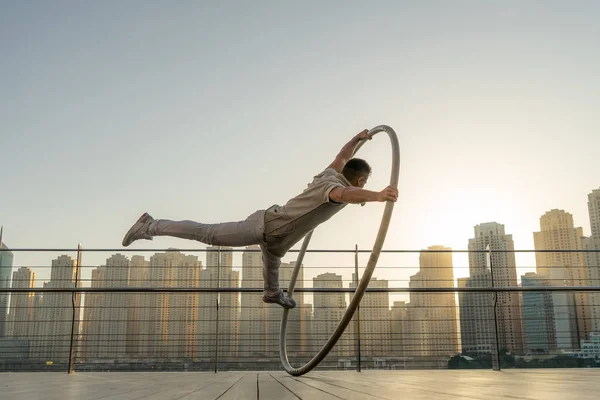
x=346, y=152
x=354, y=195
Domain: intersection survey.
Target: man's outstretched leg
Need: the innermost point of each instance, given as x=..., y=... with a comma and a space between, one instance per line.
x=240, y=233
x=272, y=293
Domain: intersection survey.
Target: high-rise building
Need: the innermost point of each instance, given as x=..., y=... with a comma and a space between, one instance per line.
x=184, y=309
x=168, y=320
x=20, y=318
x=476, y=309
x=114, y=313
x=138, y=277
x=106, y=314
x=399, y=332
x=433, y=326
x=594, y=211
x=476, y=314
x=92, y=340
x=305, y=312
x=539, y=335
x=592, y=258
x=253, y=332
x=53, y=322
x=6, y=264
x=328, y=311
x=375, y=324
x=571, y=310
x=219, y=273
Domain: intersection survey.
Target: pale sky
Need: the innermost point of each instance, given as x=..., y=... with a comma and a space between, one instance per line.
x=211, y=110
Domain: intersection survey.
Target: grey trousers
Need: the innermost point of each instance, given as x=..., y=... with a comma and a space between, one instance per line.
x=241, y=233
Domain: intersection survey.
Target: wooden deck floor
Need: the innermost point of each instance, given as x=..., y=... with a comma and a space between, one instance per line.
x=580, y=384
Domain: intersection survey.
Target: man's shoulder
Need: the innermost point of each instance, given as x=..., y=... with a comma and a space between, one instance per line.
x=330, y=175
x=326, y=173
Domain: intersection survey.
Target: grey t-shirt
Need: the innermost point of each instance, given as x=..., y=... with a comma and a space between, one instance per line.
x=286, y=225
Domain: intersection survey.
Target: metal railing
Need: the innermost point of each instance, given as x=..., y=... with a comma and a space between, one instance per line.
x=175, y=312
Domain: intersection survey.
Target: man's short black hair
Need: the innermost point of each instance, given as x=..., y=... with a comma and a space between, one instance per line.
x=355, y=168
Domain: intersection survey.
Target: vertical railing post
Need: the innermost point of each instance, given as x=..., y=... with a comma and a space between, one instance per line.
x=357, y=330
x=496, y=341
x=74, y=301
x=1, y=252
x=5, y=329
x=218, y=298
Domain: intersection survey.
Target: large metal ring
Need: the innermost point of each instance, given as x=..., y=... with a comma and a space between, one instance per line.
x=364, y=282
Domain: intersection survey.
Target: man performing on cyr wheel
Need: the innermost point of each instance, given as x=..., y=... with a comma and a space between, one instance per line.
x=278, y=228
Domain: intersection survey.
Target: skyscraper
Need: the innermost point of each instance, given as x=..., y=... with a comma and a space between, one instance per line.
x=138, y=277
x=22, y=305
x=539, y=335
x=106, y=318
x=165, y=322
x=219, y=273
x=476, y=309
x=328, y=311
x=571, y=310
x=253, y=331
x=53, y=326
x=592, y=258
x=433, y=327
x=476, y=315
x=375, y=324
x=6, y=264
x=594, y=211
x=92, y=340
x=114, y=313
x=399, y=331
x=184, y=308
x=305, y=314
x=591, y=261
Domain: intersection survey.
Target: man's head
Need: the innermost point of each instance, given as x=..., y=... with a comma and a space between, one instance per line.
x=357, y=172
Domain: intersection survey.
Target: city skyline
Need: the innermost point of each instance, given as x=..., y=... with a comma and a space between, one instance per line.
x=432, y=325
x=172, y=325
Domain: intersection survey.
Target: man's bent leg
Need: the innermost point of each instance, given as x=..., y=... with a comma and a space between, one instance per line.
x=272, y=292
x=270, y=271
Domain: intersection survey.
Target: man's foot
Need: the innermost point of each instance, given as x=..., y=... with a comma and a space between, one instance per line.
x=139, y=230
x=281, y=299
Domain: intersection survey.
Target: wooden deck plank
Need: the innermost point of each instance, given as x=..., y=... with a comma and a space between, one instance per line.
x=226, y=381
x=338, y=391
x=360, y=384
x=555, y=384
x=269, y=388
x=303, y=390
x=245, y=389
